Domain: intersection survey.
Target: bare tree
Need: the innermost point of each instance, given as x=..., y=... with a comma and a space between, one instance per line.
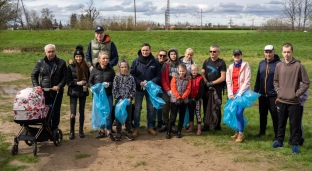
x=297, y=13
x=7, y=12
x=91, y=12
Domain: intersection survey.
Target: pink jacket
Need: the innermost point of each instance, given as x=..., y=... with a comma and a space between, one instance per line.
x=244, y=79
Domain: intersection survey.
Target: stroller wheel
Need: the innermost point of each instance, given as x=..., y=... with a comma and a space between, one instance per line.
x=29, y=143
x=57, y=137
x=14, y=149
x=35, y=148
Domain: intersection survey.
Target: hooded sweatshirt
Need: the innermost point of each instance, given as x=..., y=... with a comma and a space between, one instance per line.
x=287, y=78
x=169, y=70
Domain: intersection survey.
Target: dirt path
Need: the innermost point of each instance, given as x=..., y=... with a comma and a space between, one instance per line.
x=146, y=153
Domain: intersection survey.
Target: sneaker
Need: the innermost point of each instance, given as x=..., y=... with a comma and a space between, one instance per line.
x=129, y=136
x=277, y=144
x=135, y=133
x=163, y=128
x=205, y=129
x=111, y=137
x=174, y=130
x=295, y=149
x=152, y=131
x=100, y=135
x=118, y=136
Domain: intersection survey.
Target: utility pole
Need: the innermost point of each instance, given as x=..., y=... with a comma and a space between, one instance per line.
x=134, y=14
x=201, y=18
x=167, y=16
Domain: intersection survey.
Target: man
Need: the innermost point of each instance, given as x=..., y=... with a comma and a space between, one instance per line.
x=213, y=72
x=264, y=86
x=162, y=58
x=287, y=77
x=52, y=73
x=101, y=43
x=144, y=68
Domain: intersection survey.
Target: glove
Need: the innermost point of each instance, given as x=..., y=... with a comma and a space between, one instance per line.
x=106, y=84
x=209, y=84
x=169, y=93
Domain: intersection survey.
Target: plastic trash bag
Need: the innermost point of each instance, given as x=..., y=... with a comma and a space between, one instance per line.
x=100, y=106
x=120, y=110
x=186, y=117
x=245, y=101
x=154, y=89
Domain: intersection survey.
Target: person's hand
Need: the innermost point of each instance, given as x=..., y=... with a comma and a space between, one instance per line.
x=91, y=67
x=39, y=87
x=142, y=84
x=106, y=84
x=55, y=88
x=231, y=97
x=129, y=100
x=276, y=100
x=179, y=101
x=209, y=84
x=237, y=96
x=81, y=82
x=169, y=93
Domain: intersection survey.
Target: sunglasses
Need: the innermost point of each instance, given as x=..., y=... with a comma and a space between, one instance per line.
x=213, y=51
x=162, y=55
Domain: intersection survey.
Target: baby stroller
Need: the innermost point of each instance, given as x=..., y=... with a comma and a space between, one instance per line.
x=31, y=112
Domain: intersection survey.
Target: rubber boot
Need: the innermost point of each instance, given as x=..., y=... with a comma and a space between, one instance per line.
x=198, y=129
x=72, y=128
x=179, y=134
x=81, y=134
x=191, y=128
x=169, y=129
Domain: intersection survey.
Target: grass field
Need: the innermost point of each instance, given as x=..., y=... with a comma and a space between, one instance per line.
x=28, y=46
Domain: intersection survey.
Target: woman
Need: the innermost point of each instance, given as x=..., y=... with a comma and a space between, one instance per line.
x=238, y=81
x=104, y=73
x=77, y=77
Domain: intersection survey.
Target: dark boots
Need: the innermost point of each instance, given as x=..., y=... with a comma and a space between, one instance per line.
x=81, y=134
x=169, y=129
x=72, y=128
x=179, y=135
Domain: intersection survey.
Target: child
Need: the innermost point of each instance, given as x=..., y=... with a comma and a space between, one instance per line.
x=181, y=88
x=197, y=86
x=124, y=88
x=187, y=59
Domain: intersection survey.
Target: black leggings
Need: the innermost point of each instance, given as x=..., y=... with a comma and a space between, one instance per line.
x=128, y=120
x=73, y=107
x=194, y=108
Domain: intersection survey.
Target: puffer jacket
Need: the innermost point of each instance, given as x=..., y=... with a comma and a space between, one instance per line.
x=265, y=75
x=74, y=89
x=145, y=68
x=49, y=77
x=100, y=75
x=181, y=88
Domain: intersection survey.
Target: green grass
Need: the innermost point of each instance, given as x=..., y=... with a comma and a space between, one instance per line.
x=81, y=156
x=31, y=44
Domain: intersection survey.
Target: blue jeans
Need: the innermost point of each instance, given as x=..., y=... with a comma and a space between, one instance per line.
x=240, y=118
x=151, y=112
x=108, y=125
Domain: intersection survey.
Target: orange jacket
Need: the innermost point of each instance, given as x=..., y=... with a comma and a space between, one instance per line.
x=175, y=92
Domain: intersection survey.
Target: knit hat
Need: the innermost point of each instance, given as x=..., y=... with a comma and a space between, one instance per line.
x=79, y=51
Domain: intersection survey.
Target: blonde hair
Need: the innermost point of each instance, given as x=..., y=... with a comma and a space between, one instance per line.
x=195, y=66
x=189, y=51
x=123, y=61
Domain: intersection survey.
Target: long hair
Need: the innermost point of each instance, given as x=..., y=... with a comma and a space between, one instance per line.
x=119, y=64
x=81, y=68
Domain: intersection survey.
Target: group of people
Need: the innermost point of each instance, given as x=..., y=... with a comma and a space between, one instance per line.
x=184, y=87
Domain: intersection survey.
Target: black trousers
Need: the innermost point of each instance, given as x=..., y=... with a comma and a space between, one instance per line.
x=291, y=111
x=267, y=104
x=73, y=107
x=194, y=108
x=128, y=122
x=205, y=101
x=49, y=99
x=174, y=113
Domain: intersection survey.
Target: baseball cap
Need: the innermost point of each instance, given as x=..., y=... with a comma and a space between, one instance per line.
x=237, y=51
x=99, y=28
x=269, y=47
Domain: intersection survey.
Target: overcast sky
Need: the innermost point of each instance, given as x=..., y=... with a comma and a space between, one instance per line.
x=213, y=11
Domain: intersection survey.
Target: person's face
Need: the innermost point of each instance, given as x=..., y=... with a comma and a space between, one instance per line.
x=182, y=72
x=103, y=60
x=162, y=56
x=188, y=56
x=237, y=57
x=145, y=50
x=50, y=52
x=269, y=54
x=214, y=52
x=173, y=55
x=78, y=58
x=194, y=71
x=123, y=68
x=287, y=53
x=99, y=35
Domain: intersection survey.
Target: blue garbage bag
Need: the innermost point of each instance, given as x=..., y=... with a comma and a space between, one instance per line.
x=121, y=111
x=154, y=89
x=100, y=106
x=245, y=101
x=186, y=117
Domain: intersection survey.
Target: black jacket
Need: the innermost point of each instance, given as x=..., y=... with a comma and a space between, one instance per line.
x=74, y=89
x=265, y=75
x=49, y=77
x=99, y=75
